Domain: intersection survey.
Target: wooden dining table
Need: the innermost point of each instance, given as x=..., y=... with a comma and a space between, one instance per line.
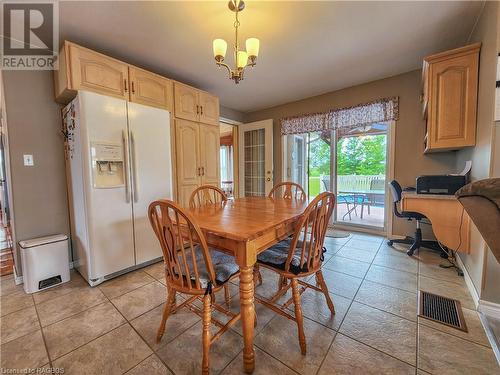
x=244, y=228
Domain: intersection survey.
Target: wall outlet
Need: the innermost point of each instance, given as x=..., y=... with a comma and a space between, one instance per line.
x=28, y=160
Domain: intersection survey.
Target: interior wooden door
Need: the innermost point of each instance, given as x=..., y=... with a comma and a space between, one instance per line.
x=150, y=89
x=188, y=159
x=209, y=108
x=186, y=102
x=210, y=154
x=98, y=73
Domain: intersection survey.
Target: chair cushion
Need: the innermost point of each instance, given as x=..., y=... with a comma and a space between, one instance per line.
x=224, y=266
x=277, y=255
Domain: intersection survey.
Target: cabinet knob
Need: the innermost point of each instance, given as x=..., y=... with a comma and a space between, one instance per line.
x=133, y=89
x=125, y=85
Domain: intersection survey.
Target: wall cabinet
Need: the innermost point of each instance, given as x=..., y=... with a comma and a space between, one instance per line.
x=95, y=72
x=195, y=112
x=150, y=89
x=84, y=69
x=195, y=105
x=197, y=157
x=450, y=83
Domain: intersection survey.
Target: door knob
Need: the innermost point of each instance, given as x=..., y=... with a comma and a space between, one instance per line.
x=269, y=179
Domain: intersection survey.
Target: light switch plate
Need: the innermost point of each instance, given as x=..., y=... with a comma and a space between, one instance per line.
x=28, y=160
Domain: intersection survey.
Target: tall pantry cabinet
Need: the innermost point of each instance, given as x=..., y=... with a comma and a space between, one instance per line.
x=197, y=140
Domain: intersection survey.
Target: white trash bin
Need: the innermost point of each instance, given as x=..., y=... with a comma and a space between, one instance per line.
x=45, y=262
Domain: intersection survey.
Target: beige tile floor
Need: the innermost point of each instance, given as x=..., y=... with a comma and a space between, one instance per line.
x=110, y=329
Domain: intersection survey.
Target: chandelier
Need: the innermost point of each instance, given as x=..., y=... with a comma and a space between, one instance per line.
x=242, y=59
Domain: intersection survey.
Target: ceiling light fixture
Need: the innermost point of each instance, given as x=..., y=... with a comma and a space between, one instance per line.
x=242, y=59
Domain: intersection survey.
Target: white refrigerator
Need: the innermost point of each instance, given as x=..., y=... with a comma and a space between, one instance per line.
x=118, y=158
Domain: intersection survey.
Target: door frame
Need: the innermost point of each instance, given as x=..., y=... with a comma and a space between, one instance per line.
x=390, y=156
x=236, y=153
x=389, y=176
x=8, y=180
x=269, y=148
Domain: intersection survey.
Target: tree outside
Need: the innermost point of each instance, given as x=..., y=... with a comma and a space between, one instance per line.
x=361, y=155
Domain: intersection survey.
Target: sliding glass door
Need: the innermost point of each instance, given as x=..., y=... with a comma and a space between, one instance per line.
x=352, y=163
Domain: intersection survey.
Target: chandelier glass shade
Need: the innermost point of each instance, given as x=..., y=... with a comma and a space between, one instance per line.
x=242, y=59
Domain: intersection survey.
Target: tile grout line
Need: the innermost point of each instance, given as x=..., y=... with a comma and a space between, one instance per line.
x=137, y=333
x=360, y=342
x=41, y=332
x=347, y=312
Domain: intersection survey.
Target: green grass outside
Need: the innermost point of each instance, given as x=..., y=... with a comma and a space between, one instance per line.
x=313, y=186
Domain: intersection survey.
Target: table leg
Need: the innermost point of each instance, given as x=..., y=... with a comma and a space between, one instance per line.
x=247, y=310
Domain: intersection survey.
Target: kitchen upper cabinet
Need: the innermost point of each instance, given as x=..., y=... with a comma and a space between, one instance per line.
x=195, y=105
x=450, y=82
x=209, y=154
x=89, y=70
x=209, y=108
x=150, y=89
x=186, y=102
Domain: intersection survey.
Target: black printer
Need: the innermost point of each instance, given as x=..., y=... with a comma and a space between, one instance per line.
x=440, y=184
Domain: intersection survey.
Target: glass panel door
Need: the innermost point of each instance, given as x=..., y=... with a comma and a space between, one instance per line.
x=351, y=163
x=256, y=161
x=360, y=160
x=319, y=163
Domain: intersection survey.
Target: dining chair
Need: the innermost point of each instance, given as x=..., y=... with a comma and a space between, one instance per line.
x=287, y=190
x=300, y=256
x=206, y=194
x=209, y=194
x=193, y=269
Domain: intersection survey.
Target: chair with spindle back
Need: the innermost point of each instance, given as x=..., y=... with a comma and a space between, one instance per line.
x=287, y=190
x=209, y=194
x=298, y=257
x=192, y=269
x=206, y=194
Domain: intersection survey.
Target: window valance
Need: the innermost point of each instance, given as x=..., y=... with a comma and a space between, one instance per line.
x=381, y=110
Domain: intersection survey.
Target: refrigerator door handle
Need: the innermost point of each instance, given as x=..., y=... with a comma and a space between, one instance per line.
x=126, y=168
x=134, y=168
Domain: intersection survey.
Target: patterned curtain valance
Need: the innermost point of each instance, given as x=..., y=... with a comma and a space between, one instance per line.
x=381, y=110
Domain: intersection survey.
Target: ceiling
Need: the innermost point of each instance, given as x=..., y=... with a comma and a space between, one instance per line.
x=307, y=48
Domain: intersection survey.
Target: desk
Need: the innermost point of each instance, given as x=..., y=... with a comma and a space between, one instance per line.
x=450, y=222
x=244, y=228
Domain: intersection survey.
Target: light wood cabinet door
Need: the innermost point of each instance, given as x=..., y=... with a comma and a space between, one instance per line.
x=150, y=89
x=454, y=97
x=186, y=102
x=209, y=108
x=95, y=72
x=210, y=154
x=187, y=138
x=451, y=89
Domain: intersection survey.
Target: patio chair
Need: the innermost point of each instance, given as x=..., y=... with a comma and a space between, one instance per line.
x=341, y=198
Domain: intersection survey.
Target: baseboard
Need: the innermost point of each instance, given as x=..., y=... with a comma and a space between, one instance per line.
x=491, y=335
x=489, y=308
x=468, y=282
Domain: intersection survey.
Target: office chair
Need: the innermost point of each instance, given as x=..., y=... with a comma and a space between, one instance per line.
x=415, y=242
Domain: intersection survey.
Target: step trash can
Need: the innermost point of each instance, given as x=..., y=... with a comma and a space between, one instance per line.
x=45, y=262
